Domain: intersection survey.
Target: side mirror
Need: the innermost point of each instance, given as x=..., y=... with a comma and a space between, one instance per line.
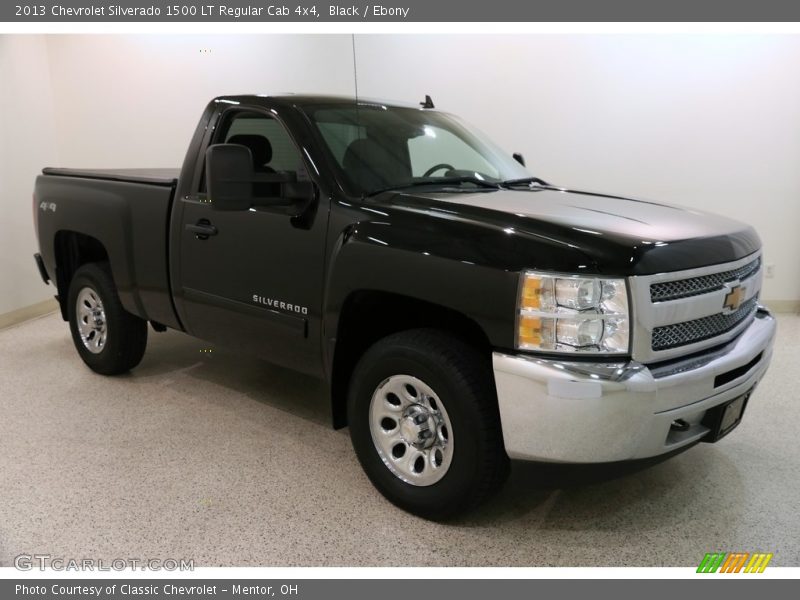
x=229, y=176
x=300, y=192
x=232, y=184
x=519, y=158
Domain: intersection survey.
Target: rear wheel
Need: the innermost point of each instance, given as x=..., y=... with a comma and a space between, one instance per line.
x=109, y=339
x=424, y=423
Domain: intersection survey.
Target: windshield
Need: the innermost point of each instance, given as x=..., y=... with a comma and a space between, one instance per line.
x=384, y=148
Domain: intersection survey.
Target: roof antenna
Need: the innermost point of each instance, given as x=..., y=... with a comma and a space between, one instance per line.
x=355, y=68
x=428, y=102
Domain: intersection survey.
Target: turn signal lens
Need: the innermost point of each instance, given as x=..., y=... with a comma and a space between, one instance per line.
x=573, y=314
x=535, y=331
x=537, y=293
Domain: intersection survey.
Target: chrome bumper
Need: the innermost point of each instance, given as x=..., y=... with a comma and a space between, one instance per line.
x=582, y=412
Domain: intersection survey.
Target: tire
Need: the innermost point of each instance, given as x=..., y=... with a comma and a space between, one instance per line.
x=453, y=456
x=109, y=339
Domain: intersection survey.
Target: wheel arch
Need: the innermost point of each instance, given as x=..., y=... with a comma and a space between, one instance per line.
x=72, y=250
x=369, y=315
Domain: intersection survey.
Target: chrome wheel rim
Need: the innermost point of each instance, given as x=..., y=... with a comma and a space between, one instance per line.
x=91, y=318
x=411, y=430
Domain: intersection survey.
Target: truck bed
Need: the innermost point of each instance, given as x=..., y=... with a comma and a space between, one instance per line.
x=162, y=177
x=127, y=212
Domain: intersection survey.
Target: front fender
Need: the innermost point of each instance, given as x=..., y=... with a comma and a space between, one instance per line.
x=372, y=256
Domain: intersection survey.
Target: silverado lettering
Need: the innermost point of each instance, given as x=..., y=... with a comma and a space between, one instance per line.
x=282, y=305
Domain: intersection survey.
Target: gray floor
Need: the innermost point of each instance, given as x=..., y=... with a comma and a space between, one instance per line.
x=228, y=461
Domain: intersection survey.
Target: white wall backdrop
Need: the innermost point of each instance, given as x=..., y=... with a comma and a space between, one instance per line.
x=135, y=100
x=27, y=142
x=711, y=122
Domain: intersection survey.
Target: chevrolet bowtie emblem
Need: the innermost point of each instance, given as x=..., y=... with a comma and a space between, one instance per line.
x=733, y=299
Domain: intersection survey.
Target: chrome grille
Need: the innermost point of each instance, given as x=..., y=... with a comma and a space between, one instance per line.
x=678, y=313
x=696, y=286
x=697, y=330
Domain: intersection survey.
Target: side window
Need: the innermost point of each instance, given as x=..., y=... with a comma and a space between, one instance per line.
x=272, y=148
x=270, y=144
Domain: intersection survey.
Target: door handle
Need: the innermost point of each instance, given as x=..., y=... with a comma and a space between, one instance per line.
x=202, y=230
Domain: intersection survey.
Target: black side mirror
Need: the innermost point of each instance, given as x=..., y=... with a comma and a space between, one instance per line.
x=519, y=158
x=229, y=176
x=301, y=192
x=232, y=183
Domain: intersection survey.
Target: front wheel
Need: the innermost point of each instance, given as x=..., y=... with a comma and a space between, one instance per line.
x=109, y=339
x=425, y=425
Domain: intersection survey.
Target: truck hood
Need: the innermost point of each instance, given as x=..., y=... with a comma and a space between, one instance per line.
x=616, y=235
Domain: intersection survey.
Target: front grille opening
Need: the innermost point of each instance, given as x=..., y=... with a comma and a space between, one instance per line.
x=698, y=330
x=729, y=376
x=705, y=284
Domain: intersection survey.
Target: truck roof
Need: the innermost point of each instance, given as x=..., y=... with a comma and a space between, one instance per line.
x=169, y=177
x=289, y=99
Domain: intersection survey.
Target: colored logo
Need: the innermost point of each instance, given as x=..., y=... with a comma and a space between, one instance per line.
x=734, y=298
x=734, y=562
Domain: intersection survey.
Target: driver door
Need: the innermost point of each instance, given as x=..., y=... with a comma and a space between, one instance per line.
x=253, y=280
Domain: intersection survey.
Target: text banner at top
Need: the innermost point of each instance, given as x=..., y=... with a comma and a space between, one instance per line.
x=402, y=11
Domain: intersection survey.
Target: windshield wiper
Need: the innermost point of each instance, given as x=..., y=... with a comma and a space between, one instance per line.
x=445, y=181
x=524, y=181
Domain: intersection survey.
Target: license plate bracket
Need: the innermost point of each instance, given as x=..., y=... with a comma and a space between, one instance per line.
x=723, y=419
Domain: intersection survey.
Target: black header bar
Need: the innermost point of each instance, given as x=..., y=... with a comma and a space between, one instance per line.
x=310, y=11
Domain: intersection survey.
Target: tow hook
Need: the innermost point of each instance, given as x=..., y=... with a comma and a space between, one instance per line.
x=679, y=425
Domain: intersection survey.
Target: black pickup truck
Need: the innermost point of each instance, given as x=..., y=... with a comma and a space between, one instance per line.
x=463, y=311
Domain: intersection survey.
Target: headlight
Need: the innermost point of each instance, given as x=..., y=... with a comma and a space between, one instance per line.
x=573, y=314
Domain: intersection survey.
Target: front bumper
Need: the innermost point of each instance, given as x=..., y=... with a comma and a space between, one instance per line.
x=584, y=412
